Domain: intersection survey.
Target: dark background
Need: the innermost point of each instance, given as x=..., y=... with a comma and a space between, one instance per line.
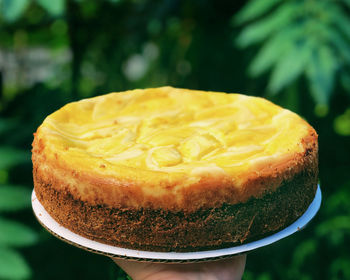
x=295, y=53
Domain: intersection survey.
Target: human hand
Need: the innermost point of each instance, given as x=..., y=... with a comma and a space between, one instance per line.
x=227, y=269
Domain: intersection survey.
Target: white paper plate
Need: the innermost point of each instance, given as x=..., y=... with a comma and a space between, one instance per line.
x=96, y=247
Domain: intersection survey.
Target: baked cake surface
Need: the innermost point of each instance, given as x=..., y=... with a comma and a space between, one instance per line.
x=174, y=170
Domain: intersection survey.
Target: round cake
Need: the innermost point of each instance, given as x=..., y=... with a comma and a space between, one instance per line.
x=166, y=169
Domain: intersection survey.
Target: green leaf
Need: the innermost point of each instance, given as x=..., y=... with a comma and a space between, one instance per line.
x=338, y=202
x=334, y=230
x=338, y=223
x=289, y=67
x=10, y=157
x=16, y=234
x=302, y=251
x=321, y=110
x=340, y=20
x=261, y=29
x=11, y=10
x=347, y=2
x=345, y=81
x=14, y=198
x=340, y=266
x=264, y=276
x=54, y=8
x=13, y=265
x=273, y=49
x=321, y=71
x=340, y=44
x=342, y=124
x=253, y=9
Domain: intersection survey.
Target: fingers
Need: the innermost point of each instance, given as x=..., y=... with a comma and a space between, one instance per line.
x=137, y=270
x=227, y=269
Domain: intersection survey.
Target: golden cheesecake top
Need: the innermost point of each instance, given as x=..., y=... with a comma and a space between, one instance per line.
x=167, y=136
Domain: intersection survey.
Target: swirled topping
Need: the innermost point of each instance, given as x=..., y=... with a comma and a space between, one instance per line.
x=174, y=130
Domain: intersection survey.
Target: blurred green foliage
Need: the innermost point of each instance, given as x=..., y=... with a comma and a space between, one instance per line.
x=296, y=53
x=13, y=234
x=310, y=38
x=11, y=10
x=306, y=45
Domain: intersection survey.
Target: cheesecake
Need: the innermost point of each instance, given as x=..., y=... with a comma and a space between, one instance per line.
x=174, y=170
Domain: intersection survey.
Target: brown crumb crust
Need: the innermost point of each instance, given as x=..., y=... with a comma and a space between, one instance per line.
x=165, y=230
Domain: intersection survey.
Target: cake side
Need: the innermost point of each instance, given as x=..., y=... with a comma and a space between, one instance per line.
x=164, y=230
